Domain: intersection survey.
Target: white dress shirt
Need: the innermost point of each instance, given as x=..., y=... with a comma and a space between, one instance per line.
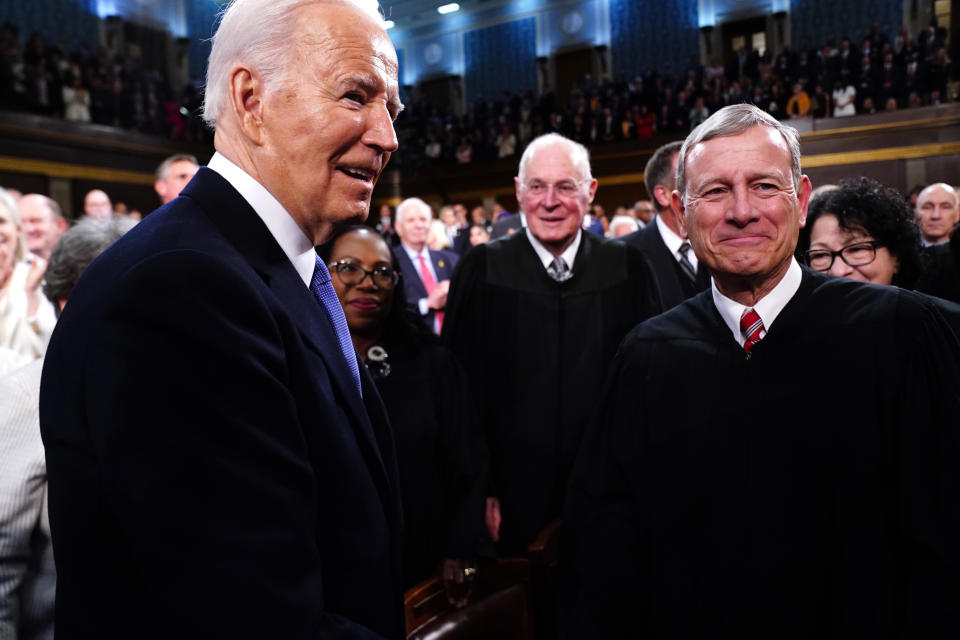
x=568, y=255
x=292, y=239
x=673, y=242
x=768, y=307
x=414, y=256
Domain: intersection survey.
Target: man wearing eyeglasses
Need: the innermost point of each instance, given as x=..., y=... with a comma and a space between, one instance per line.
x=536, y=318
x=777, y=457
x=426, y=273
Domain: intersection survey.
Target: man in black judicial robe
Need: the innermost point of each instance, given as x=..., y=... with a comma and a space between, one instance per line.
x=677, y=270
x=795, y=480
x=537, y=337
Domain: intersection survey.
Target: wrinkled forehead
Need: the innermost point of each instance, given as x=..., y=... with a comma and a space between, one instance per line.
x=938, y=194
x=346, y=31
x=553, y=163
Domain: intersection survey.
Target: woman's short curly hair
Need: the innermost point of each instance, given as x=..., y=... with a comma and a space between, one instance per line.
x=865, y=205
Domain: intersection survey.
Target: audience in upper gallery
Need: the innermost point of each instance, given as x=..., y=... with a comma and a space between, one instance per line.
x=26, y=317
x=896, y=75
x=82, y=86
x=27, y=573
x=441, y=452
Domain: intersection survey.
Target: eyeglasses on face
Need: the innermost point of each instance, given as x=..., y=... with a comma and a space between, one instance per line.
x=352, y=274
x=564, y=188
x=857, y=254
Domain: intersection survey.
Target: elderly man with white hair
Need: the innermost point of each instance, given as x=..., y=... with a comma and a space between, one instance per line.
x=938, y=211
x=219, y=461
x=426, y=272
x=536, y=318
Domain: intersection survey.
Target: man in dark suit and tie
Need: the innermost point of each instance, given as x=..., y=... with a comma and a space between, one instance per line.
x=665, y=245
x=426, y=273
x=220, y=464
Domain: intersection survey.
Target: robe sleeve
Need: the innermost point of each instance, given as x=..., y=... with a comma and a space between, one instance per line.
x=929, y=471
x=602, y=536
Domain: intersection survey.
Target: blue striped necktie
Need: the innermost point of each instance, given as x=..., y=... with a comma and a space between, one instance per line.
x=326, y=295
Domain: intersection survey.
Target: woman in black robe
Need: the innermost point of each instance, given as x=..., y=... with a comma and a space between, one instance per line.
x=440, y=449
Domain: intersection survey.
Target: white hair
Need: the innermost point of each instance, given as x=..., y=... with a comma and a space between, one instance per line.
x=579, y=155
x=621, y=220
x=258, y=33
x=411, y=204
x=9, y=204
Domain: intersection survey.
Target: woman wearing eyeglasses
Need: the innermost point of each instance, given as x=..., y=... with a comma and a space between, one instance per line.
x=440, y=448
x=864, y=231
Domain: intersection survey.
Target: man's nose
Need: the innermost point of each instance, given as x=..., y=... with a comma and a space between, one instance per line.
x=839, y=268
x=740, y=211
x=380, y=132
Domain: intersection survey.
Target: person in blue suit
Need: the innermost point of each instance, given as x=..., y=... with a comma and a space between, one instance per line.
x=426, y=273
x=219, y=463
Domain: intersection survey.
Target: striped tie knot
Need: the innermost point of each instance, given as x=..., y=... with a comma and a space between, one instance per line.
x=750, y=326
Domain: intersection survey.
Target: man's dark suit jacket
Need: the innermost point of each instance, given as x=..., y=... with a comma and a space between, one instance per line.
x=502, y=227
x=674, y=287
x=413, y=289
x=213, y=471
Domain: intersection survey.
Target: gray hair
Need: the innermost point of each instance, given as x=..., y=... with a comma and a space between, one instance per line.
x=731, y=121
x=9, y=204
x=578, y=153
x=164, y=167
x=77, y=248
x=409, y=205
x=623, y=220
x=258, y=33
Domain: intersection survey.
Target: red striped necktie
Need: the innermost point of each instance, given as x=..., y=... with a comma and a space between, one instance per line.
x=750, y=326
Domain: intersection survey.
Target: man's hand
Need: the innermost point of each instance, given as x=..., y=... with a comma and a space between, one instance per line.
x=493, y=518
x=38, y=268
x=459, y=575
x=437, y=299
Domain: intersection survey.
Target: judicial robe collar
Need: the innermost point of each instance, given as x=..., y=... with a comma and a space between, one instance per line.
x=569, y=254
x=768, y=307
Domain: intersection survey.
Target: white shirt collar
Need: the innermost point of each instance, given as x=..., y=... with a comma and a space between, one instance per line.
x=546, y=257
x=413, y=254
x=284, y=229
x=768, y=307
x=673, y=241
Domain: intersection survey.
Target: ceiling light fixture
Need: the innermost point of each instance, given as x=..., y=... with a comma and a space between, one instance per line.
x=448, y=8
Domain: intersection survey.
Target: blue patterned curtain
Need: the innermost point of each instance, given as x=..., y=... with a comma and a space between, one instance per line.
x=201, y=19
x=820, y=21
x=646, y=32
x=501, y=58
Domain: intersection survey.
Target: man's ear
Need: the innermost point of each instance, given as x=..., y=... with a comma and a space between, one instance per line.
x=662, y=195
x=676, y=204
x=247, y=101
x=160, y=187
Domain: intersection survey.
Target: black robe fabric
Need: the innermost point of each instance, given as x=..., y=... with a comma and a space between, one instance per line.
x=810, y=491
x=441, y=455
x=537, y=352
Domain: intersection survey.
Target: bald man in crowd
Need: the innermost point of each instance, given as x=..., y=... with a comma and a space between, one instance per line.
x=173, y=174
x=43, y=223
x=97, y=205
x=938, y=211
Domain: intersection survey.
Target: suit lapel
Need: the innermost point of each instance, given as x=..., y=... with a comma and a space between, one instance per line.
x=412, y=281
x=667, y=268
x=244, y=229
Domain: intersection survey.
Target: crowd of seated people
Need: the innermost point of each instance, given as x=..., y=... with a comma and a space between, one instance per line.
x=855, y=76
x=84, y=86
x=865, y=75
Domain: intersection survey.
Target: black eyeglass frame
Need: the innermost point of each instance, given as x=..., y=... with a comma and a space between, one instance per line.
x=873, y=244
x=337, y=267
